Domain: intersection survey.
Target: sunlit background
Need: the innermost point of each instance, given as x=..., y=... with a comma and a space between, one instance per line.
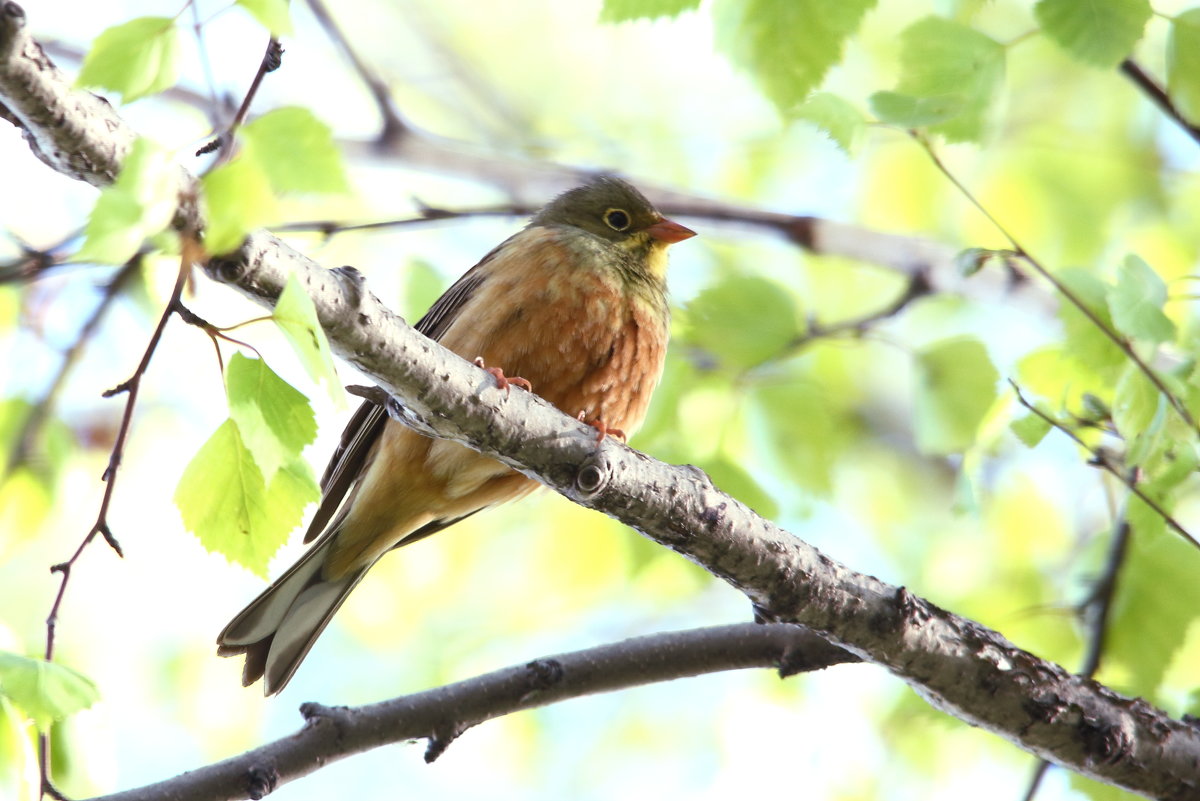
x=1077, y=164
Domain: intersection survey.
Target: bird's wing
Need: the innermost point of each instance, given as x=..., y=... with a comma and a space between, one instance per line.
x=362, y=432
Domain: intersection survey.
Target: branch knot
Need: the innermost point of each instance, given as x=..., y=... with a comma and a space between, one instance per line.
x=593, y=475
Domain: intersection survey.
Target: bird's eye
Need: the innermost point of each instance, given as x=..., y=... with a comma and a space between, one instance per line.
x=616, y=219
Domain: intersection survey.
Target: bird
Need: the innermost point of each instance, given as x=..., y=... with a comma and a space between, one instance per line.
x=574, y=308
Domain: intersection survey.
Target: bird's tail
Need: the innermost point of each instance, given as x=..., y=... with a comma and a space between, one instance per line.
x=278, y=628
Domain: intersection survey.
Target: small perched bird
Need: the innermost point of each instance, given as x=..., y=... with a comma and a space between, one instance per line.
x=573, y=306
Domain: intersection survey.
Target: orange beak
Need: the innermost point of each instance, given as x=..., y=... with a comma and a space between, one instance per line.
x=669, y=231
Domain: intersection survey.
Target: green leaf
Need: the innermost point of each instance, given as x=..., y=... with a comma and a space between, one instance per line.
x=834, y=116
x=624, y=10
x=1136, y=402
x=956, y=385
x=225, y=502
x=1086, y=343
x=787, y=45
x=45, y=691
x=296, y=151
x=733, y=479
x=807, y=430
x=136, y=58
x=911, y=111
x=949, y=74
x=221, y=494
x=1030, y=429
x=271, y=14
x=742, y=321
x=1097, y=32
x=423, y=285
x=275, y=420
x=1139, y=414
x=1183, y=63
x=139, y=204
x=1136, y=303
x=292, y=489
x=297, y=318
x=1158, y=597
x=18, y=756
x=237, y=199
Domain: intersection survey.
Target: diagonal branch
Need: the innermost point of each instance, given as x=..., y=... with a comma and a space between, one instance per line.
x=1124, y=345
x=25, y=443
x=960, y=666
x=1158, y=96
x=443, y=713
x=1097, y=608
x=1101, y=460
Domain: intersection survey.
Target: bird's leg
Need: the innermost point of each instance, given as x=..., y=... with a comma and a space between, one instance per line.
x=602, y=430
x=502, y=381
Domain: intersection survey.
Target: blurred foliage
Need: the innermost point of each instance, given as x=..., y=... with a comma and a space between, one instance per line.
x=892, y=441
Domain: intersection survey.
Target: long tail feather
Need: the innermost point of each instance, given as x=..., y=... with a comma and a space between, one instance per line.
x=277, y=629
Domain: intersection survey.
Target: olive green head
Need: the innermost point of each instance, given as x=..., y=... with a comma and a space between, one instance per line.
x=606, y=206
x=611, y=209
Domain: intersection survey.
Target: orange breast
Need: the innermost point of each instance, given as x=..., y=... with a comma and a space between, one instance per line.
x=582, y=339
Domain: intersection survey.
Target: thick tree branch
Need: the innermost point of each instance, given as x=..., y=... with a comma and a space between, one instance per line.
x=443, y=713
x=958, y=665
x=76, y=133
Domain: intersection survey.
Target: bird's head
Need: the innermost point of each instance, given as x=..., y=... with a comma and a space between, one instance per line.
x=614, y=211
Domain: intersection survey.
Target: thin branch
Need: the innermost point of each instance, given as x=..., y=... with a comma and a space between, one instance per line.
x=130, y=386
x=441, y=714
x=31, y=427
x=215, y=333
x=1062, y=289
x=1101, y=460
x=33, y=263
x=426, y=215
x=1098, y=608
x=1158, y=96
x=915, y=288
x=271, y=61
x=214, y=105
x=394, y=127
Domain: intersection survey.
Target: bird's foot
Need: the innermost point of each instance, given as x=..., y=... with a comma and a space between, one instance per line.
x=502, y=381
x=602, y=430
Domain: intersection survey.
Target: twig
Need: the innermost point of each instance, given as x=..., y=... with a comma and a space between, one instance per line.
x=215, y=333
x=34, y=262
x=425, y=216
x=214, y=105
x=1158, y=97
x=130, y=386
x=442, y=713
x=916, y=287
x=1098, y=607
x=1100, y=459
x=31, y=427
x=271, y=61
x=394, y=126
x=1060, y=287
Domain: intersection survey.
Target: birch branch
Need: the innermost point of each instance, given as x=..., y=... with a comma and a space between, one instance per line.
x=957, y=665
x=444, y=713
